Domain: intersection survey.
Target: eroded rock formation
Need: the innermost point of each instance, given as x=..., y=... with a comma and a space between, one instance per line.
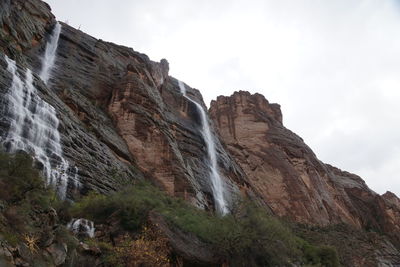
x=284, y=172
x=121, y=115
x=123, y=118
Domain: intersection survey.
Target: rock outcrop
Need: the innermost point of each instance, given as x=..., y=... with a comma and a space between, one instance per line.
x=284, y=172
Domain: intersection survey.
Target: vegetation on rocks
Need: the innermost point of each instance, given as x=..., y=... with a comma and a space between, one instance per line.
x=28, y=219
x=249, y=237
x=30, y=215
x=149, y=248
x=22, y=192
x=353, y=245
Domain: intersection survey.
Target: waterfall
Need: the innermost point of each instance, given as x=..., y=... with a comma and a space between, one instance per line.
x=75, y=179
x=49, y=56
x=215, y=177
x=34, y=128
x=82, y=227
x=48, y=60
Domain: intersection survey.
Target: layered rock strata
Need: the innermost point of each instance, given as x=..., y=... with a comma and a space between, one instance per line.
x=285, y=173
x=122, y=116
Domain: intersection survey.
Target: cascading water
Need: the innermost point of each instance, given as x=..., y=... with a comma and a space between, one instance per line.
x=49, y=56
x=77, y=183
x=48, y=61
x=82, y=227
x=215, y=177
x=34, y=128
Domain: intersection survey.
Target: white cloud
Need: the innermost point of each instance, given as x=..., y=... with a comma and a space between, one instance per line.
x=333, y=65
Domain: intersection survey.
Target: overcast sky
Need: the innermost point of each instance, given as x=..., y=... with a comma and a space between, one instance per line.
x=334, y=66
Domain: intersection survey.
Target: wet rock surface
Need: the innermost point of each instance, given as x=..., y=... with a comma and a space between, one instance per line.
x=121, y=114
x=24, y=24
x=123, y=118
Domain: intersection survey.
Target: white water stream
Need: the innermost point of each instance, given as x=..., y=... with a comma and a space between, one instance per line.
x=82, y=227
x=34, y=123
x=34, y=128
x=216, y=180
x=49, y=57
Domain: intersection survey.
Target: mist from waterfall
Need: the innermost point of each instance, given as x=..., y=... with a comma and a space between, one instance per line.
x=49, y=56
x=34, y=128
x=216, y=180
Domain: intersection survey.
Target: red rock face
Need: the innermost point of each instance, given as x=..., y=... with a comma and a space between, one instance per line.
x=284, y=172
x=139, y=121
x=122, y=117
x=162, y=131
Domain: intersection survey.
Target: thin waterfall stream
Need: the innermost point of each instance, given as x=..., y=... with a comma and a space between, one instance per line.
x=215, y=177
x=34, y=123
x=49, y=57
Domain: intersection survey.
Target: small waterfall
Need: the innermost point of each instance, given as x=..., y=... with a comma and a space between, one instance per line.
x=48, y=61
x=215, y=177
x=76, y=180
x=49, y=56
x=34, y=128
x=82, y=227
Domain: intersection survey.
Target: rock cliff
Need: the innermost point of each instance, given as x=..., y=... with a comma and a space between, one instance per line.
x=123, y=118
x=284, y=172
x=121, y=114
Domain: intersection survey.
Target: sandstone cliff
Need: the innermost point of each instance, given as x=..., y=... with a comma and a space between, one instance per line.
x=284, y=172
x=123, y=118
x=121, y=114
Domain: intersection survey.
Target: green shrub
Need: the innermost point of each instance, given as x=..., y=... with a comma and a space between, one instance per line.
x=17, y=177
x=129, y=207
x=320, y=255
x=24, y=197
x=11, y=237
x=63, y=235
x=251, y=237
